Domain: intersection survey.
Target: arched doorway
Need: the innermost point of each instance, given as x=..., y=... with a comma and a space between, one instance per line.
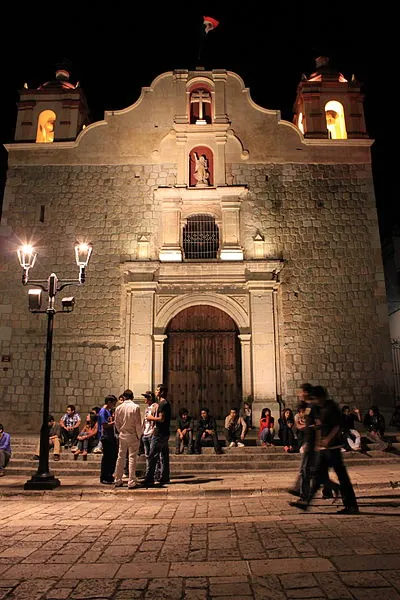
x=202, y=361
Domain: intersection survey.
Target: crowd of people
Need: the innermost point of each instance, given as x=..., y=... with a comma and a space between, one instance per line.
x=318, y=429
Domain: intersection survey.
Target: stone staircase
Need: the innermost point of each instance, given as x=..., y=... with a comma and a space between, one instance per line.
x=251, y=458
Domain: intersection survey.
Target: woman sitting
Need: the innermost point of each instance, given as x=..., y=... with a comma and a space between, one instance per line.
x=286, y=431
x=266, y=431
x=87, y=438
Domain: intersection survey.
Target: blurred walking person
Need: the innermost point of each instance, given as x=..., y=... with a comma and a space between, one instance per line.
x=329, y=449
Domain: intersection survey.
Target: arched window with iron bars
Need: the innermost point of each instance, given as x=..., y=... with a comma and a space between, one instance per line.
x=200, y=237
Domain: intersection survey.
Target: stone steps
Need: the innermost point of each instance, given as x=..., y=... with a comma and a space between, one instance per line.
x=248, y=459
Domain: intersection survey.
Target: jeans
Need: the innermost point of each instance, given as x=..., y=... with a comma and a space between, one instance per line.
x=267, y=436
x=333, y=458
x=233, y=435
x=158, y=461
x=87, y=444
x=4, y=459
x=109, y=459
x=187, y=440
x=199, y=438
x=69, y=437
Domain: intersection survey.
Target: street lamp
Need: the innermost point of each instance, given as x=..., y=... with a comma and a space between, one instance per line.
x=43, y=479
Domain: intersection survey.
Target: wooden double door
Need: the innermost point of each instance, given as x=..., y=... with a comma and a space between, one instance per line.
x=202, y=362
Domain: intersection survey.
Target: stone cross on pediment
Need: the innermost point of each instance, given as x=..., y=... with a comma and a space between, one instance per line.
x=201, y=97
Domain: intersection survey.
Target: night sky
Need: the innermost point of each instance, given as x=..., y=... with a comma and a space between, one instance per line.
x=114, y=54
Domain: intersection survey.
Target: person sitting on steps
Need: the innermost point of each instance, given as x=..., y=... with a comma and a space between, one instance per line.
x=70, y=423
x=184, y=432
x=266, y=430
x=87, y=437
x=206, y=430
x=235, y=429
x=54, y=440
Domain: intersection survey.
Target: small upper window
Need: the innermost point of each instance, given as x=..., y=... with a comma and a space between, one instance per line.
x=200, y=106
x=335, y=122
x=200, y=237
x=45, y=129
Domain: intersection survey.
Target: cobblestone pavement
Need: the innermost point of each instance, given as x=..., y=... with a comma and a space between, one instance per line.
x=130, y=545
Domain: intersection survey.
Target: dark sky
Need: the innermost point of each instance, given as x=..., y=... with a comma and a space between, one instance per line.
x=115, y=52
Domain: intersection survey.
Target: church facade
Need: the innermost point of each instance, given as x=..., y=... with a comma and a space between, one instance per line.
x=235, y=255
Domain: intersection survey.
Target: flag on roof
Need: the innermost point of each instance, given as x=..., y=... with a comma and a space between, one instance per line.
x=210, y=23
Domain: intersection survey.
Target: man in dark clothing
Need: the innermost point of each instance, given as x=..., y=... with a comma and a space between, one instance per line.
x=206, y=429
x=374, y=423
x=184, y=432
x=157, y=470
x=109, y=441
x=328, y=446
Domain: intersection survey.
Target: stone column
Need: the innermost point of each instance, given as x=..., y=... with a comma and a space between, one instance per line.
x=158, y=374
x=230, y=247
x=171, y=250
x=263, y=349
x=140, y=311
x=245, y=340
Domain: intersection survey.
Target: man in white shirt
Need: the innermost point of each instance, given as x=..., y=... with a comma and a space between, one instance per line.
x=128, y=423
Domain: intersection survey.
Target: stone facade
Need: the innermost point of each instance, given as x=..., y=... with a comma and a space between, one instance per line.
x=299, y=267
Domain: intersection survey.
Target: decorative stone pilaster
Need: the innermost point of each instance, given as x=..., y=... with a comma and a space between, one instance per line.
x=263, y=348
x=171, y=231
x=245, y=340
x=158, y=341
x=139, y=356
x=230, y=247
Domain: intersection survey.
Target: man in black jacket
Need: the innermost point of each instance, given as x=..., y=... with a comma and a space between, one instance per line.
x=206, y=429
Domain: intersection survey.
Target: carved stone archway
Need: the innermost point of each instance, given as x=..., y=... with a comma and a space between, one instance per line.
x=202, y=361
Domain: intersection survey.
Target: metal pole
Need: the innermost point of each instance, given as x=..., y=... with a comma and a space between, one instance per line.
x=43, y=479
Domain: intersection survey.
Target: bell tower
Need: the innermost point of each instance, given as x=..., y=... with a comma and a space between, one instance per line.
x=329, y=106
x=54, y=112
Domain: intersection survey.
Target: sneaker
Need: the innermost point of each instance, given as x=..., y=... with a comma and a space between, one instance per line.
x=232, y=445
x=240, y=445
x=97, y=450
x=73, y=448
x=300, y=505
x=106, y=482
x=125, y=476
x=293, y=492
x=348, y=510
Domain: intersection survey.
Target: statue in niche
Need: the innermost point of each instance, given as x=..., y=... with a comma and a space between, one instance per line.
x=47, y=131
x=201, y=173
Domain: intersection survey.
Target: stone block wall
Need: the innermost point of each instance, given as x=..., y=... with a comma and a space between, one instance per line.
x=320, y=219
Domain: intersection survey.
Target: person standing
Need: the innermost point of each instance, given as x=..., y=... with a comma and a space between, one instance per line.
x=128, y=423
x=109, y=441
x=157, y=470
x=148, y=426
x=328, y=446
x=5, y=450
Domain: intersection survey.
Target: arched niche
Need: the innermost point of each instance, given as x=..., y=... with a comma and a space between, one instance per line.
x=45, y=128
x=201, y=167
x=335, y=121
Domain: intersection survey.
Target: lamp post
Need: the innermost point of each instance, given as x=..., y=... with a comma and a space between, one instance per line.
x=43, y=479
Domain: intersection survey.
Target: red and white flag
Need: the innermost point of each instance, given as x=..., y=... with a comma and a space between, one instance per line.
x=210, y=24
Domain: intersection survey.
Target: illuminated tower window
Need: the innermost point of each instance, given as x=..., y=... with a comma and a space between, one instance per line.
x=200, y=106
x=45, y=129
x=200, y=237
x=335, y=122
